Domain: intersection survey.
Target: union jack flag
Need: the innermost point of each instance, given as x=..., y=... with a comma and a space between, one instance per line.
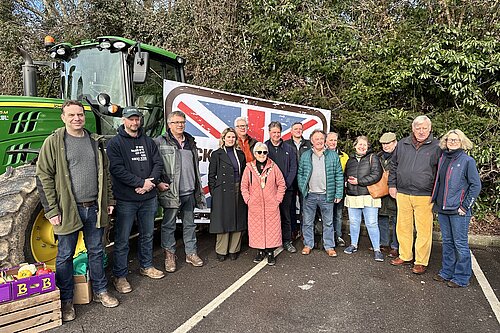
x=209, y=112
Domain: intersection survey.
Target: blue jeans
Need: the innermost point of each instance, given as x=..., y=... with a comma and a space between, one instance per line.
x=95, y=251
x=126, y=213
x=456, y=261
x=384, y=223
x=311, y=202
x=337, y=218
x=186, y=208
x=370, y=214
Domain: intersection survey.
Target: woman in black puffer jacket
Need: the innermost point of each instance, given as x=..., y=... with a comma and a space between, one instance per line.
x=363, y=169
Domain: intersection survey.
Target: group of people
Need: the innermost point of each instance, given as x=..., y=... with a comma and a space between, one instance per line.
x=254, y=188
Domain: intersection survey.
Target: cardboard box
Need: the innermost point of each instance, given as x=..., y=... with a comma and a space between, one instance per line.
x=23, y=288
x=82, y=292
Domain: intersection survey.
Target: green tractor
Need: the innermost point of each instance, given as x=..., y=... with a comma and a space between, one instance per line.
x=106, y=74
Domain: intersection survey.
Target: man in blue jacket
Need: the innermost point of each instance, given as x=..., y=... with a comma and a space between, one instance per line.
x=135, y=166
x=284, y=156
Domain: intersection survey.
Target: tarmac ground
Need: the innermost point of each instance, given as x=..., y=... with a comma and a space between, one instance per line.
x=315, y=293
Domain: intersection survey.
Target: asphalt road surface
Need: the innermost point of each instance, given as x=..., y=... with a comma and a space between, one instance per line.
x=315, y=293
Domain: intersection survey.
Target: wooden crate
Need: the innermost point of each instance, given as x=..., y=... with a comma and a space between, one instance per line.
x=34, y=314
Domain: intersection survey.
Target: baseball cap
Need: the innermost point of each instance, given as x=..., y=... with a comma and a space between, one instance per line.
x=130, y=111
x=387, y=137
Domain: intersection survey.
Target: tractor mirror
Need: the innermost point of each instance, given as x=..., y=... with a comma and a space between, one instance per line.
x=141, y=65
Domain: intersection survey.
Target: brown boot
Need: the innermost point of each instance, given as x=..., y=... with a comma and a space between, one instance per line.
x=68, y=311
x=170, y=265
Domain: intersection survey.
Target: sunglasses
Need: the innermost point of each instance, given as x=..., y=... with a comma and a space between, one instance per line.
x=261, y=152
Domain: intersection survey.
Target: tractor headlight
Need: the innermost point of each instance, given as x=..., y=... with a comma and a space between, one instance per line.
x=105, y=44
x=119, y=45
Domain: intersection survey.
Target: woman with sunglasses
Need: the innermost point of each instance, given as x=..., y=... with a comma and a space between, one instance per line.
x=228, y=218
x=263, y=188
x=456, y=189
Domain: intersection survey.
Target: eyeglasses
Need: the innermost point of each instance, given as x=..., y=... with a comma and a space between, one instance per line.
x=263, y=152
x=178, y=122
x=241, y=126
x=453, y=140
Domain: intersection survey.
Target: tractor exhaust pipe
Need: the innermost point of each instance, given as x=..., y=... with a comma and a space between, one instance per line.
x=29, y=73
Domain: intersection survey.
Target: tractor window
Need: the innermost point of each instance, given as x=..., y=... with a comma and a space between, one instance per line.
x=149, y=96
x=90, y=72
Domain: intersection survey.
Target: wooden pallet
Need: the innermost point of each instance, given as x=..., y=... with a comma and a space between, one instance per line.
x=33, y=314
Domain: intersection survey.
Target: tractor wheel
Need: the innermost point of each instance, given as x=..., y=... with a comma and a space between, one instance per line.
x=25, y=234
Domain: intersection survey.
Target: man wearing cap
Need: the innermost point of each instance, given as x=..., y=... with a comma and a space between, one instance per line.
x=179, y=190
x=135, y=167
x=75, y=191
x=411, y=180
x=388, y=212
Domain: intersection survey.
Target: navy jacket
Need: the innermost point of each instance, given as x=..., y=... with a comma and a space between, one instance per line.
x=286, y=159
x=304, y=145
x=462, y=184
x=131, y=161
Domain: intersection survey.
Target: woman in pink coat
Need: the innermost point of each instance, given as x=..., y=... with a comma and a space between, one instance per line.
x=263, y=188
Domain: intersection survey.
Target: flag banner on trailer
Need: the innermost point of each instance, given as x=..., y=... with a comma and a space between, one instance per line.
x=209, y=112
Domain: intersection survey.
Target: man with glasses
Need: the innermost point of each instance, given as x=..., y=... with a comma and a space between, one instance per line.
x=245, y=141
x=411, y=179
x=135, y=167
x=284, y=156
x=179, y=189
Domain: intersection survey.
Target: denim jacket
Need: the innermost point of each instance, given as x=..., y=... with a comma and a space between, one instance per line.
x=461, y=184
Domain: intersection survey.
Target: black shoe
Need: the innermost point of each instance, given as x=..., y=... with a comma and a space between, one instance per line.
x=221, y=257
x=259, y=257
x=271, y=261
x=288, y=246
x=233, y=256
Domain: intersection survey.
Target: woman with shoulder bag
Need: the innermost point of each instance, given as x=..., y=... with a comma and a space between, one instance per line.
x=363, y=169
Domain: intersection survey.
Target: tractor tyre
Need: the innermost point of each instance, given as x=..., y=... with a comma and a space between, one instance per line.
x=25, y=234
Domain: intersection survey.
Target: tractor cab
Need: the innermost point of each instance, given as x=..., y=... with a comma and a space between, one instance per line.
x=110, y=73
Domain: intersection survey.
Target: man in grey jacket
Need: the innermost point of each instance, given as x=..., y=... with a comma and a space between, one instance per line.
x=179, y=189
x=411, y=179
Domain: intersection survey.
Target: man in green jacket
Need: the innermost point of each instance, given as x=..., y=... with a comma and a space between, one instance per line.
x=321, y=183
x=75, y=191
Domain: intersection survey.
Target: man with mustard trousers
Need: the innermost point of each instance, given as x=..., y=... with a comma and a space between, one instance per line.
x=411, y=179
